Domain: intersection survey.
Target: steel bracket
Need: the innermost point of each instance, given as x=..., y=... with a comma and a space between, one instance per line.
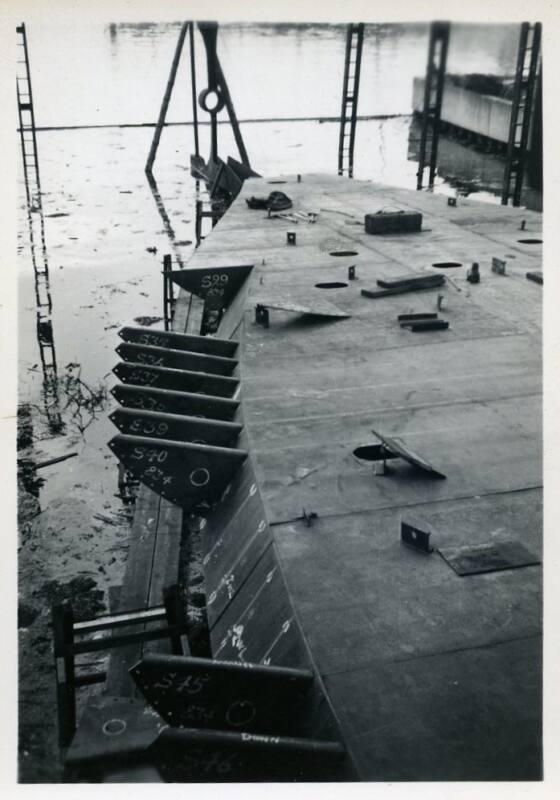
x=499, y=266
x=262, y=316
x=415, y=537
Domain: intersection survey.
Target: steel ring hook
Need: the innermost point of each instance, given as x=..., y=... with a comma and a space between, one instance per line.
x=203, y=97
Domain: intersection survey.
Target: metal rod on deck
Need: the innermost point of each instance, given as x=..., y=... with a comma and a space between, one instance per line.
x=166, y=98
x=231, y=113
x=63, y=642
x=193, y=89
x=167, y=292
x=209, y=31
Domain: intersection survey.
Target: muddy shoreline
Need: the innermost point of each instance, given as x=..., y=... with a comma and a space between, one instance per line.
x=104, y=243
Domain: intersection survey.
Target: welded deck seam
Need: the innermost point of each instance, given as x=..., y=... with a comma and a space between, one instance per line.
x=380, y=409
x=446, y=341
x=436, y=654
x=372, y=510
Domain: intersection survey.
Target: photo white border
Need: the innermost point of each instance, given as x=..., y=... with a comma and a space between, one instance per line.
x=33, y=12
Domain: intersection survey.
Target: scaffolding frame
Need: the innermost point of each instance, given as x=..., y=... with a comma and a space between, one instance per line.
x=522, y=110
x=433, y=96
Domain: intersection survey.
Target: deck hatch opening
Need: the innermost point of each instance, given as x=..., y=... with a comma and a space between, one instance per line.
x=447, y=264
x=331, y=285
x=343, y=253
x=530, y=241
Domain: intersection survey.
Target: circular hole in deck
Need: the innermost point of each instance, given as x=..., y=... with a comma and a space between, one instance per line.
x=369, y=452
x=343, y=253
x=275, y=182
x=530, y=241
x=447, y=264
x=331, y=285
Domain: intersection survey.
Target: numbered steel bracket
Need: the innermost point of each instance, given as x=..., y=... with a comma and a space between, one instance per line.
x=211, y=345
x=216, y=285
x=225, y=695
x=183, y=380
x=190, y=475
x=176, y=359
x=196, y=756
x=171, y=402
x=178, y=427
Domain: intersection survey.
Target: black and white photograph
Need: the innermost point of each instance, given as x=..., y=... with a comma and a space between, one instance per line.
x=276, y=427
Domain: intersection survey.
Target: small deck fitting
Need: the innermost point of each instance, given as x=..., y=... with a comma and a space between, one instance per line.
x=262, y=316
x=499, y=266
x=308, y=517
x=473, y=275
x=415, y=537
x=535, y=276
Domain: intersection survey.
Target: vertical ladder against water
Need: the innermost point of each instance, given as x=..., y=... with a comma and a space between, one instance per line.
x=27, y=122
x=528, y=57
x=32, y=179
x=350, y=92
x=37, y=242
x=433, y=96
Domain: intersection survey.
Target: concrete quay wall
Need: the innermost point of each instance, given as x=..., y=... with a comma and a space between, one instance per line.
x=481, y=114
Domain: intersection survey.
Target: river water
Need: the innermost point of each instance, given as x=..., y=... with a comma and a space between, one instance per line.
x=102, y=227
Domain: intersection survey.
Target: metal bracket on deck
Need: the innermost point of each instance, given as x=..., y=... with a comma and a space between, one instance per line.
x=499, y=266
x=394, y=447
x=473, y=275
x=535, y=276
x=262, y=316
x=308, y=517
x=422, y=322
x=415, y=537
x=290, y=237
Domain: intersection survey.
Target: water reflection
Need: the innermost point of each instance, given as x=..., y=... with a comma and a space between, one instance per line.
x=274, y=71
x=44, y=328
x=468, y=169
x=168, y=227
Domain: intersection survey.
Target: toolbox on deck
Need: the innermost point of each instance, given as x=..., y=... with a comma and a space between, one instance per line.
x=393, y=222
